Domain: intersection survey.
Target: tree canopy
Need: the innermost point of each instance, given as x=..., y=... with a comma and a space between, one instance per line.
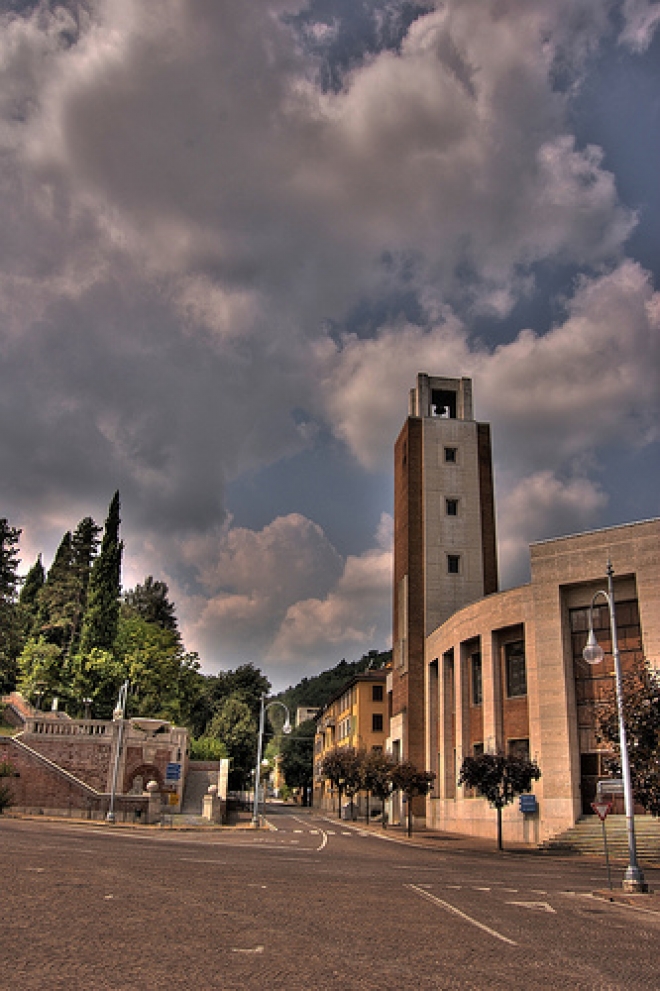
x=641, y=713
x=499, y=777
x=10, y=627
x=100, y=623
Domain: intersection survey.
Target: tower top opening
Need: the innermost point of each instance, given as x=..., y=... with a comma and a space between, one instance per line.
x=440, y=397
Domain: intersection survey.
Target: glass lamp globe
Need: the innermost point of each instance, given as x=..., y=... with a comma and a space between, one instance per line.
x=593, y=653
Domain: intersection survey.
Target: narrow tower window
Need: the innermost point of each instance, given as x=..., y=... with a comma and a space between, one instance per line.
x=451, y=507
x=453, y=564
x=450, y=455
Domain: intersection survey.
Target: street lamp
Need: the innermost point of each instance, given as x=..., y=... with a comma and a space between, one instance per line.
x=117, y=717
x=633, y=879
x=257, y=771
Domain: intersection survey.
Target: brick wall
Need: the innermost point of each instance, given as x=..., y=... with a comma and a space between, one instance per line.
x=86, y=757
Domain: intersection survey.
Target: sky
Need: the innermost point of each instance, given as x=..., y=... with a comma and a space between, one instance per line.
x=231, y=235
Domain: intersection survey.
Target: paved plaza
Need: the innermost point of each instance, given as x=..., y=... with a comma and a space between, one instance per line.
x=312, y=903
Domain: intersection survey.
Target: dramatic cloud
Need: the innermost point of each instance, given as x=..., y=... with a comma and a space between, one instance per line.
x=232, y=233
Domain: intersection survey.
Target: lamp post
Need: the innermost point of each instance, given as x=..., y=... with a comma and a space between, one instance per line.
x=633, y=879
x=118, y=717
x=257, y=771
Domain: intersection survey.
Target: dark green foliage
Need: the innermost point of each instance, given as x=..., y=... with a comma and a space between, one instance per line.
x=150, y=602
x=376, y=776
x=10, y=624
x=55, y=619
x=297, y=751
x=42, y=675
x=34, y=582
x=6, y=798
x=641, y=711
x=246, y=681
x=407, y=779
x=235, y=726
x=499, y=777
x=57, y=604
x=100, y=623
x=342, y=766
x=84, y=545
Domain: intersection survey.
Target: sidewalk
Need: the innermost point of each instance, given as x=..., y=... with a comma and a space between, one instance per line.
x=435, y=839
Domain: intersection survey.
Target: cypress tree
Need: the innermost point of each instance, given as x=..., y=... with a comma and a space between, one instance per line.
x=10, y=638
x=99, y=627
x=56, y=600
x=28, y=600
x=84, y=544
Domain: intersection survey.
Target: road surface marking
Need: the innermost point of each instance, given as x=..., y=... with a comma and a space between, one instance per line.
x=297, y=830
x=199, y=860
x=480, y=889
x=538, y=891
x=462, y=915
x=323, y=841
x=256, y=949
x=535, y=906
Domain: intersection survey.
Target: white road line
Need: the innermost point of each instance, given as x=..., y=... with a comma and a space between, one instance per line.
x=200, y=860
x=535, y=906
x=462, y=915
x=323, y=841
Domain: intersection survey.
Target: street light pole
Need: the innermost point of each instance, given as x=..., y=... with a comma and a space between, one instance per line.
x=118, y=716
x=257, y=771
x=633, y=879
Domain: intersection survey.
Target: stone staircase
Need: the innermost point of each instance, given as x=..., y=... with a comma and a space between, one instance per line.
x=586, y=837
x=199, y=776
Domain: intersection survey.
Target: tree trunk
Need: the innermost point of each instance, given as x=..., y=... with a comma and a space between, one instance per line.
x=499, y=828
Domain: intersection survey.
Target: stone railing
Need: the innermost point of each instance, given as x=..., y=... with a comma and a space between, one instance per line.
x=67, y=727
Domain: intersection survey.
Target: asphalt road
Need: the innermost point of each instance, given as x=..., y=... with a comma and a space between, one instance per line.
x=312, y=904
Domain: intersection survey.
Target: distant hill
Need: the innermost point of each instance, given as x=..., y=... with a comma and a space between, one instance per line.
x=317, y=691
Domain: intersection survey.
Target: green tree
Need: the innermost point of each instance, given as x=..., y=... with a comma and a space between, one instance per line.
x=150, y=601
x=7, y=770
x=56, y=601
x=641, y=715
x=10, y=625
x=84, y=545
x=100, y=622
x=376, y=777
x=207, y=748
x=164, y=680
x=29, y=596
x=246, y=681
x=341, y=766
x=297, y=751
x=499, y=777
x=42, y=675
x=235, y=726
x=411, y=782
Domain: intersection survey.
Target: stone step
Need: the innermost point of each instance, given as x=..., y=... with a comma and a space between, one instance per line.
x=586, y=837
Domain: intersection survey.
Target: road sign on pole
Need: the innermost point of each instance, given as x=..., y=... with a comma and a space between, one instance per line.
x=602, y=809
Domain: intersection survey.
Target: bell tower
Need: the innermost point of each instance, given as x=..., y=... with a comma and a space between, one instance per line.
x=445, y=553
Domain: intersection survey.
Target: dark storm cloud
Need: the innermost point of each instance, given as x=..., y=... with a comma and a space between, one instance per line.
x=233, y=232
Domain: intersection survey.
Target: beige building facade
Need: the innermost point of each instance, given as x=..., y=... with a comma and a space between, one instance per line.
x=506, y=672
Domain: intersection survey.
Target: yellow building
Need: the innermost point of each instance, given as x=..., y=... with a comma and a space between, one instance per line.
x=357, y=716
